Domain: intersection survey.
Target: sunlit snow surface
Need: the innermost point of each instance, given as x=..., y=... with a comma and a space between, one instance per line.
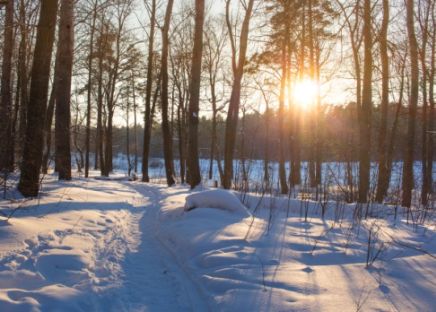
x=115, y=245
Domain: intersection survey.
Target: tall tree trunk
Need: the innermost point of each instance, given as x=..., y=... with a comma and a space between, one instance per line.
x=100, y=138
x=6, y=152
x=407, y=183
x=194, y=98
x=424, y=134
x=319, y=120
x=181, y=135
x=89, y=91
x=166, y=131
x=294, y=144
x=32, y=156
x=390, y=153
x=428, y=177
x=108, y=144
x=63, y=75
x=235, y=98
x=23, y=82
x=281, y=115
x=383, y=174
x=135, y=127
x=148, y=120
x=129, y=163
x=311, y=42
x=47, y=126
x=366, y=108
x=213, y=132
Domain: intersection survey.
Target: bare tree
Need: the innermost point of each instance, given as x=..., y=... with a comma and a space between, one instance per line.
x=238, y=62
x=408, y=182
x=166, y=131
x=148, y=120
x=6, y=152
x=89, y=86
x=383, y=174
x=194, y=99
x=215, y=36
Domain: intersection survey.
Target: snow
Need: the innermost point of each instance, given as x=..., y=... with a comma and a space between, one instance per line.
x=119, y=245
x=219, y=199
x=275, y=261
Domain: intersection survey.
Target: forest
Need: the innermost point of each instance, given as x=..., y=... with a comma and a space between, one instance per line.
x=266, y=109
x=282, y=81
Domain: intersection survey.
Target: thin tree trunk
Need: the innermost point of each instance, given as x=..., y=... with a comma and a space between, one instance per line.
x=408, y=183
x=425, y=104
x=180, y=131
x=108, y=144
x=148, y=120
x=129, y=164
x=23, y=83
x=390, y=152
x=294, y=145
x=281, y=115
x=319, y=121
x=310, y=39
x=166, y=131
x=47, y=126
x=135, y=127
x=383, y=174
x=6, y=152
x=366, y=108
x=99, y=143
x=89, y=91
x=213, y=132
x=194, y=98
x=235, y=98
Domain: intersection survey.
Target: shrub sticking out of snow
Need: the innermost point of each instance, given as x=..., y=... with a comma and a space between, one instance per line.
x=218, y=199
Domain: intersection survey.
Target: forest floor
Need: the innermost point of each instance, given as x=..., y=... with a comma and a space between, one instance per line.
x=116, y=245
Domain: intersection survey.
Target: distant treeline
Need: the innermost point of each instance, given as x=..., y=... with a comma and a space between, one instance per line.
x=339, y=137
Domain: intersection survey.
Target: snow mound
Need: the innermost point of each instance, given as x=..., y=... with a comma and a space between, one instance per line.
x=217, y=199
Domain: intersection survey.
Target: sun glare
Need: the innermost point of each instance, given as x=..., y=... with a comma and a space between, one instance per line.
x=305, y=92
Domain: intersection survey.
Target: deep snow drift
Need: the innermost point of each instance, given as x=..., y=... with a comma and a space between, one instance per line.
x=114, y=245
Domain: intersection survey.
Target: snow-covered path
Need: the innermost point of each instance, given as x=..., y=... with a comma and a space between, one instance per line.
x=91, y=246
x=151, y=279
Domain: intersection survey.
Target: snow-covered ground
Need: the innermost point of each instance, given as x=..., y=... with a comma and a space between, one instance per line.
x=115, y=245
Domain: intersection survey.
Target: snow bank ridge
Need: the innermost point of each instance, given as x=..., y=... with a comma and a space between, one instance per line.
x=218, y=199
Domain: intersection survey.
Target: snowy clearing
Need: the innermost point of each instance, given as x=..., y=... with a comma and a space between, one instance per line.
x=127, y=246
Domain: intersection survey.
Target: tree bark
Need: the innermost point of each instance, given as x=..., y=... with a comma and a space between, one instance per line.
x=6, y=152
x=63, y=74
x=235, y=98
x=100, y=137
x=425, y=105
x=428, y=177
x=408, y=183
x=383, y=173
x=366, y=108
x=194, y=99
x=148, y=118
x=23, y=81
x=32, y=156
x=166, y=131
x=281, y=115
x=89, y=91
x=47, y=126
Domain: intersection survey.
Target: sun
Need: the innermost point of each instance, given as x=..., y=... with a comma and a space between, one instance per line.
x=305, y=93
